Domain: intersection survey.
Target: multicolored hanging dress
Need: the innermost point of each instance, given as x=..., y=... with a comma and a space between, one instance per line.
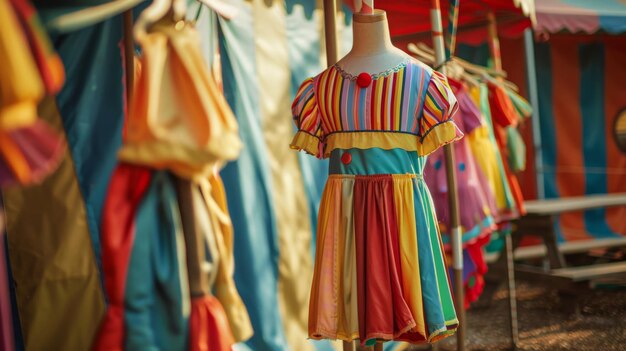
x=478, y=211
x=379, y=267
x=489, y=158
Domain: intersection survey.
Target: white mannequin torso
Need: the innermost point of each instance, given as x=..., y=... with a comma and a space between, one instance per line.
x=372, y=51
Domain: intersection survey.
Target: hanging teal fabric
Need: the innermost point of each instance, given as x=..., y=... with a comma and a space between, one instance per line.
x=249, y=190
x=92, y=109
x=157, y=297
x=304, y=46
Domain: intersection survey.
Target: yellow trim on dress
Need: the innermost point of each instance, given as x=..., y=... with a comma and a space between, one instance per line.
x=439, y=135
x=307, y=142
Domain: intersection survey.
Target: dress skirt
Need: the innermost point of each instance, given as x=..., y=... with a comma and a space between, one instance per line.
x=379, y=266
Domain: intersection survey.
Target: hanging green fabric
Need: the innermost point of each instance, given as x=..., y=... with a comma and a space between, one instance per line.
x=516, y=150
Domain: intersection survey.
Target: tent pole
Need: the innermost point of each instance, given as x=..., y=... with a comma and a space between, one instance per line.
x=378, y=346
x=129, y=57
x=455, y=228
x=494, y=48
x=533, y=95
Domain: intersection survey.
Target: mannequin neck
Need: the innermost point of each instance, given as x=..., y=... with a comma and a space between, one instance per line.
x=370, y=34
x=372, y=50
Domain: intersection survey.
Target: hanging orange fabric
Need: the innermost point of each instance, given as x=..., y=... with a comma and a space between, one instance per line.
x=29, y=148
x=213, y=332
x=179, y=119
x=505, y=115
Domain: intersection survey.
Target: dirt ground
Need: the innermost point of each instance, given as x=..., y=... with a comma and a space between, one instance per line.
x=544, y=323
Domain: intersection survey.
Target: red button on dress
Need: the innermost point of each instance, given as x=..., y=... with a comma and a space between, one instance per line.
x=346, y=158
x=363, y=80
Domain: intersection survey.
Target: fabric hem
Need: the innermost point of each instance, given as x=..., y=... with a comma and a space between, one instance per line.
x=307, y=142
x=439, y=135
x=394, y=176
x=323, y=334
x=439, y=335
x=444, y=331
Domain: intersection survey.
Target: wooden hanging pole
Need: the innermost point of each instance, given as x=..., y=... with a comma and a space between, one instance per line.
x=494, y=49
x=494, y=41
x=455, y=227
x=90, y=15
x=129, y=62
x=378, y=346
x=129, y=55
x=423, y=50
x=330, y=31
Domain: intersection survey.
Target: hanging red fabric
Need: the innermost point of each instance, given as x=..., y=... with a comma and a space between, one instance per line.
x=126, y=190
x=209, y=328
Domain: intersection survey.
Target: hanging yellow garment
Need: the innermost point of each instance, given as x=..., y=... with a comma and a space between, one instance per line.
x=21, y=87
x=179, y=119
x=224, y=286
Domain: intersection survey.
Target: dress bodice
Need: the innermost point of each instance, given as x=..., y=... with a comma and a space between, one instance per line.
x=408, y=106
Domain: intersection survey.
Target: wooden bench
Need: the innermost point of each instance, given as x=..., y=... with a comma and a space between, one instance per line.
x=540, y=221
x=539, y=251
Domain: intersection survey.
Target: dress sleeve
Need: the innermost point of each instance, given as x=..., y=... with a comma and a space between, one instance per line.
x=436, y=125
x=307, y=118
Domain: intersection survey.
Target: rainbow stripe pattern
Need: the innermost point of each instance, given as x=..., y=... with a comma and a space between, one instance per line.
x=401, y=107
x=379, y=268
